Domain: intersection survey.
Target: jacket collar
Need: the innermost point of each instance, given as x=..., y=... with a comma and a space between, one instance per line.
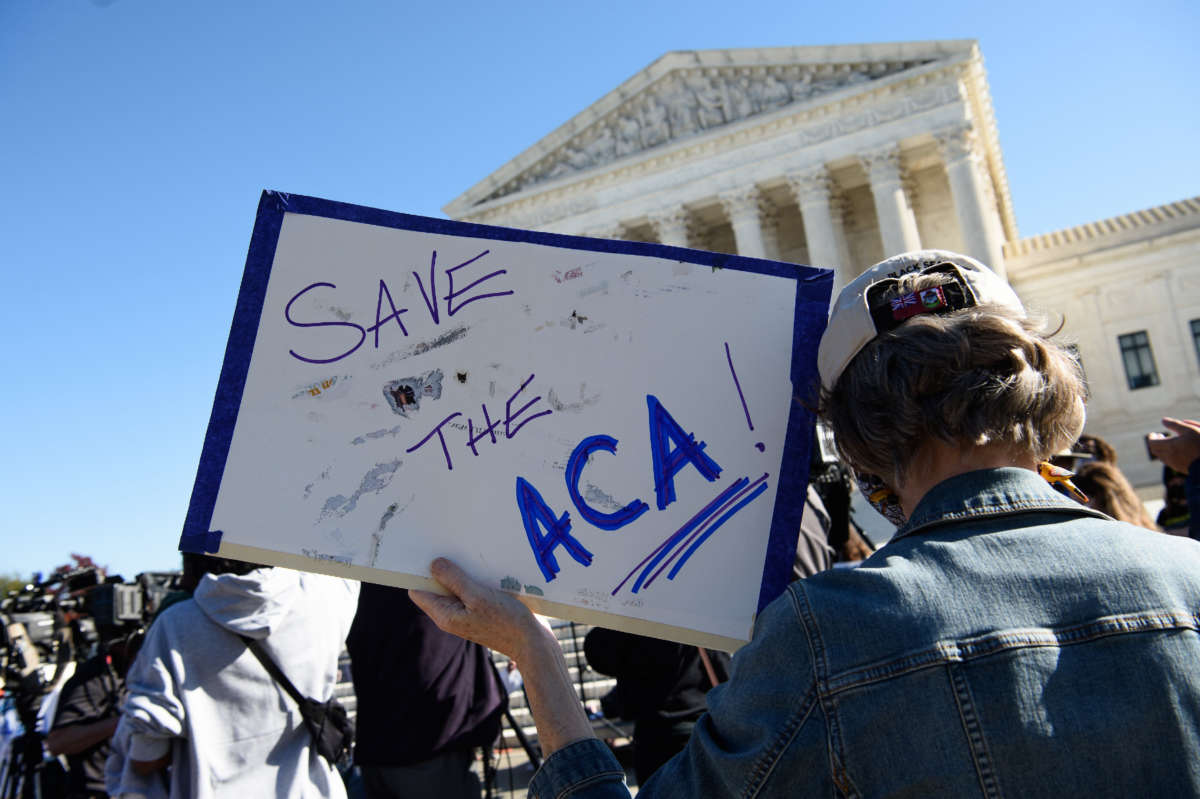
x=989, y=493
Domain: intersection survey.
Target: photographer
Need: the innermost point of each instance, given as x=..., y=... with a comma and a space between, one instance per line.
x=1006, y=641
x=88, y=712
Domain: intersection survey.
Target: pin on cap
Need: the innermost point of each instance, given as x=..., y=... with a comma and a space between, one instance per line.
x=869, y=306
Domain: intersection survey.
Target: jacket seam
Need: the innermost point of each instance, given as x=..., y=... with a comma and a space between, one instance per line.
x=998, y=510
x=589, y=781
x=765, y=765
x=995, y=643
x=980, y=755
x=833, y=742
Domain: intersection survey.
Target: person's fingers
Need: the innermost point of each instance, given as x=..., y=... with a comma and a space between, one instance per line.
x=1181, y=426
x=456, y=581
x=1179, y=450
x=438, y=607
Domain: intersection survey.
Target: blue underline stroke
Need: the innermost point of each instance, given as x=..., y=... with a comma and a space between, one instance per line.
x=662, y=549
x=713, y=529
x=700, y=529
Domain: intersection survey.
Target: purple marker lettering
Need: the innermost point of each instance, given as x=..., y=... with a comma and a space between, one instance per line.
x=452, y=294
x=490, y=429
x=738, y=386
x=441, y=438
x=395, y=314
x=510, y=417
x=432, y=306
x=287, y=314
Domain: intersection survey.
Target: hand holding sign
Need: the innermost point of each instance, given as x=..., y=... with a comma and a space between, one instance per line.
x=568, y=419
x=494, y=618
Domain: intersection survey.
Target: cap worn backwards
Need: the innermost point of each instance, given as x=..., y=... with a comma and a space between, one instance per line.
x=863, y=309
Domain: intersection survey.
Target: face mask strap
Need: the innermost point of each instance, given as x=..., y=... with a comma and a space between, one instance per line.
x=881, y=496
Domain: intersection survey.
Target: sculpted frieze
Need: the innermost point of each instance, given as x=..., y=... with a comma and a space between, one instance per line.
x=539, y=215
x=687, y=103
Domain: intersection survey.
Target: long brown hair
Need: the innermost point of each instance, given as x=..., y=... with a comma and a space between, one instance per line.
x=1111, y=493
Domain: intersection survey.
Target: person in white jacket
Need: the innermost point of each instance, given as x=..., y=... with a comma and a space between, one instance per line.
x=201, y=703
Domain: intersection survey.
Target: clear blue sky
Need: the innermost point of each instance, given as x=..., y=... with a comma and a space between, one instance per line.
x=135, y=137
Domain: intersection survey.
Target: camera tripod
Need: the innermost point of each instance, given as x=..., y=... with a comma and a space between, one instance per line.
x=26, y=773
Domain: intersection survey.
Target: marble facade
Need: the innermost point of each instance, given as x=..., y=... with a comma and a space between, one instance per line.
x=1136, y=273
x=834, y=156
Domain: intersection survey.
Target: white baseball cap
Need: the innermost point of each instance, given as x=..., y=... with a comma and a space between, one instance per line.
x=863, y=310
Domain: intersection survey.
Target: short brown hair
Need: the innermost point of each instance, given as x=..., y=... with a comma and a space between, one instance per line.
x=976, y=376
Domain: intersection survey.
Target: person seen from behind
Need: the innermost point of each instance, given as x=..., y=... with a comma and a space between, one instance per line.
x=204, y=717
x=1006, y=641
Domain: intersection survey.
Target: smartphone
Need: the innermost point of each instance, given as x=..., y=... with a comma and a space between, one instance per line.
x=1154, y=437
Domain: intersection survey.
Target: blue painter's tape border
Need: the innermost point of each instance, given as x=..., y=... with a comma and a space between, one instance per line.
x=812, y=300
x=197, y=537
x=813, y=291
x=330, y=209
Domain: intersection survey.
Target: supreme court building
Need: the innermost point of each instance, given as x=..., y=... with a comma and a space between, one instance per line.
x=837, y=156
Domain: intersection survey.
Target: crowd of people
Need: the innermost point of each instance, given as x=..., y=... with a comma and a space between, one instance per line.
x=1028, y=629
x=232, y=690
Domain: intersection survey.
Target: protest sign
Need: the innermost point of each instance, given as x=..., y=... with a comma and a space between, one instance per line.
x=608, y=428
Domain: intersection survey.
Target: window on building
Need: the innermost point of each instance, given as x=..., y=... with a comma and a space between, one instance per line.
x=1140, y=371
x=1195, y=323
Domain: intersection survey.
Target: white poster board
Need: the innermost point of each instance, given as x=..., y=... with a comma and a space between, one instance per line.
x=608, y=428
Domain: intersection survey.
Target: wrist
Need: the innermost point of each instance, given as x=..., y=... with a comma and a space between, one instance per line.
x=538, y=648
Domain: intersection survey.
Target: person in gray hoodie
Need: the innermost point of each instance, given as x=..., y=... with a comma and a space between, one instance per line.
x=202, y=704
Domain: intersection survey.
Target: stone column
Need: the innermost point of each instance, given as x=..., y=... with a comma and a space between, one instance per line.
x=672, y=225
x=743, y=207
x=813, y=189
x=769, y=225
x=897, y=225
x=967, y=187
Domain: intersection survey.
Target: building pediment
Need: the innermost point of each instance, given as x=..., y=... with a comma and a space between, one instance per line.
x=687, y=94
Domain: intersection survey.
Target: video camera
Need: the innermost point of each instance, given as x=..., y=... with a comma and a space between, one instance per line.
x=44, y=626
x=66, y=616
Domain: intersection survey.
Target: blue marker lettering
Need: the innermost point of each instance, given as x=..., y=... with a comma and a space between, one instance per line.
x=666, y=461
x=535, y=515
x=578, y=459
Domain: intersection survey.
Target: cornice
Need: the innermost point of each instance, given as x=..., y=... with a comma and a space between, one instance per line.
x=1024, y=256
x=841, y=114
x=592, y=142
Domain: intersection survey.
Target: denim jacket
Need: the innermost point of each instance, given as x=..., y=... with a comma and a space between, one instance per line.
x=1007, y=642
